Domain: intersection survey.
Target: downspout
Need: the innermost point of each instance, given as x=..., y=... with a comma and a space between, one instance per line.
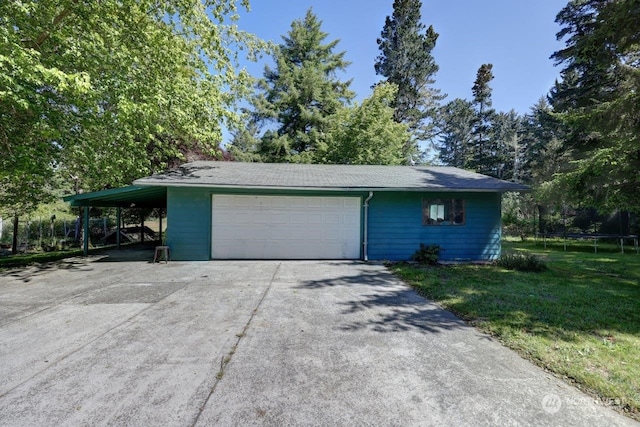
x=365, y=242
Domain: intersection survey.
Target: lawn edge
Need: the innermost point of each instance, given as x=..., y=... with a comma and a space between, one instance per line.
x=625, y=410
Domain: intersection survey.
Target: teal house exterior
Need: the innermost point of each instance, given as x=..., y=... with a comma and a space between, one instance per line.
x=232, y=210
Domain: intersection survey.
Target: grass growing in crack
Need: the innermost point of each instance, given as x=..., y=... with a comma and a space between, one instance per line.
x=223, y=362
x=226, y=359
x=579, y=318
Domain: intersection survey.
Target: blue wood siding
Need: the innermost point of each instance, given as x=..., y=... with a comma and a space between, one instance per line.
x=189, y=223
x=396, y=230
x=395, y=224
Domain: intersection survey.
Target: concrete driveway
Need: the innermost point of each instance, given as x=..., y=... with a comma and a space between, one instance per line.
x=120, y=341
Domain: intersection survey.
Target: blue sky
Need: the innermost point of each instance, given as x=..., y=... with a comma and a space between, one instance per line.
x=516, y=36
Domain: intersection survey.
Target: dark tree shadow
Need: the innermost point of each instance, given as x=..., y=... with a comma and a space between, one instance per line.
x=81, y=264
x=28, y=273
x=385, y=304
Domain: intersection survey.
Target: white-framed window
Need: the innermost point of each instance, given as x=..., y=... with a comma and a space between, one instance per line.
x=443, y=212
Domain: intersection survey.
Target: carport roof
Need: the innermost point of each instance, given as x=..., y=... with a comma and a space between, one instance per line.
x=126, y=197
x=275, y=176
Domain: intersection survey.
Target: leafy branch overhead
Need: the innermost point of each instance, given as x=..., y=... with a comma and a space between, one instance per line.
x=109, y=91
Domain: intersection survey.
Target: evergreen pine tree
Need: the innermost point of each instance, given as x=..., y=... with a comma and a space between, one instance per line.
x=405, y=59
x=542, y=140
x=245, y=142
x=507, y=155
x=599, y=100
x=483, y=158
x=301, y=93
x=456, y=138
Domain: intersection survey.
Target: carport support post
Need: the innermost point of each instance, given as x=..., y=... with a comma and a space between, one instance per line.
x=141, y=226
x=118, y=214
x=86, y=231
x=160, y=226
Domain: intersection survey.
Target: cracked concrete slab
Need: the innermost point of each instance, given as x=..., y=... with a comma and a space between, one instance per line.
x=115, y=342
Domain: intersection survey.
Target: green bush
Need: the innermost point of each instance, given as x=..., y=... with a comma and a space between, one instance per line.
x=521, y=262
x=427, y=254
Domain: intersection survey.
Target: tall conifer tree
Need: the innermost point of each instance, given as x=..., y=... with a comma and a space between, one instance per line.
x=405, y=59
x=482, y=160
x=599, y=100
x=456, y=137
x=301, y=93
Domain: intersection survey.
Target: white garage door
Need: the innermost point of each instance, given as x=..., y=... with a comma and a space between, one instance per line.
x=285, y=227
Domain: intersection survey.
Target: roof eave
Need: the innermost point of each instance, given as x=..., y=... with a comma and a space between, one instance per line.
x=121, y=197
x=142, y=183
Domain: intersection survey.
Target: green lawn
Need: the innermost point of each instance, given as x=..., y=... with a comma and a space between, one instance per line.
x=579, y=319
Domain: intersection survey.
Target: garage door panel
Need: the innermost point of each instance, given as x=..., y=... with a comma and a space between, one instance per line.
x=332, y=219
x=315, y=202
x=285, y=227
x=315, y=218
x=295, y=218
x=352, y=203
x=279, y=218
x=351, y=219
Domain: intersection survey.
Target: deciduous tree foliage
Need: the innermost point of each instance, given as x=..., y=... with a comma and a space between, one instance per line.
x=366, y=134
x=301, y=93
x=599, y=100
x=405, y=60
x=106, y=91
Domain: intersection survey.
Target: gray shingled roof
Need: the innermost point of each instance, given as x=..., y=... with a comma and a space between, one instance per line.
x=327, y=177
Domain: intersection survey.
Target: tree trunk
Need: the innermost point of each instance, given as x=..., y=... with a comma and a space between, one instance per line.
x=14, y=244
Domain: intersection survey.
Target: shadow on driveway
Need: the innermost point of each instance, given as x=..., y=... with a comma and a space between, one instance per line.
x=397, y=307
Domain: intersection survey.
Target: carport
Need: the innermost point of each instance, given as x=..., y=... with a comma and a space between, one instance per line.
x=132, y=196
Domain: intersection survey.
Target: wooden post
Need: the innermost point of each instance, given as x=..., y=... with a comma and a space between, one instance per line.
x=160, y=227
x=141, y=226
x=118, y=210
x=86, y=231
